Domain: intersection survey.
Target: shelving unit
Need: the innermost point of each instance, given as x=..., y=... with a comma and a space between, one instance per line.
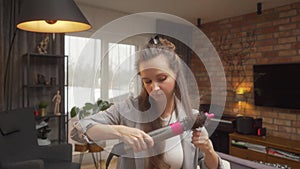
x=264, y=145
x=44, y=75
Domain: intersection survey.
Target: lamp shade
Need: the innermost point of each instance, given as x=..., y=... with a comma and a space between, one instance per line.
x=51, y=16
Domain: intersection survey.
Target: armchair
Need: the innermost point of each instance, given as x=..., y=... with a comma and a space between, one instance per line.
x=19, y=148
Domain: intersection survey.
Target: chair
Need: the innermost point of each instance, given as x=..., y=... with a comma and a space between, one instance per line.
x=19, y=148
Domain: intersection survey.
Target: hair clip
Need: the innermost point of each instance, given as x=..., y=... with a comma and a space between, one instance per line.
x=154, y=40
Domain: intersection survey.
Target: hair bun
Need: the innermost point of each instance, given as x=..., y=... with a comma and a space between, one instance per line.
x=160, y=43
x=167, y=44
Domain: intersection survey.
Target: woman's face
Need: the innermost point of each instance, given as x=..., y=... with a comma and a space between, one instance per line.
x=158, y=77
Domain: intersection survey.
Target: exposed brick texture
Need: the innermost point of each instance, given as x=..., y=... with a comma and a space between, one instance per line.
x=277, y=33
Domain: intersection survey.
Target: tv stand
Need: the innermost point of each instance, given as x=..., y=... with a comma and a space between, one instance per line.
x=220, y=136
x=266, y=149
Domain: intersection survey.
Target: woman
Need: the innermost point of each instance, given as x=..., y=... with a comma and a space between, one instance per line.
x=162, y=101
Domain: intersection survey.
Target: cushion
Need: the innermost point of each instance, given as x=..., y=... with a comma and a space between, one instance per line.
x=8, y=124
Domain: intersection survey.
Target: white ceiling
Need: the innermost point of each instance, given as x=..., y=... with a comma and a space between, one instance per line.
x=207, y=10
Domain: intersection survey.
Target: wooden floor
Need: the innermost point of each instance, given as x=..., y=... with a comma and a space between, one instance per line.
x=88, y=163
x=112, y=165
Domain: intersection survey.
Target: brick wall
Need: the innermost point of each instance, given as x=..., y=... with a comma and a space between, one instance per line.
x=277, y=33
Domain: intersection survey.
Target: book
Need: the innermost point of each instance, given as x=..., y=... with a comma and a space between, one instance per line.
x=238, y=143
x=284, y=154
x=256, y=147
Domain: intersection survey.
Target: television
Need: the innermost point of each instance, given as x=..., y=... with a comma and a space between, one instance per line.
x=277, y=85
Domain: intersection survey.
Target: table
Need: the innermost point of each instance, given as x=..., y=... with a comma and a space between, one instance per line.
x=90, y=148
x=261, y=148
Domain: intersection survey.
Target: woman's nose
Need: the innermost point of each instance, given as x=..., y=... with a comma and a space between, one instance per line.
x=155, y=86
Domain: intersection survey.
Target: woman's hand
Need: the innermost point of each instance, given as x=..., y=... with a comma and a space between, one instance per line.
x=201, y=140
x=137, y=139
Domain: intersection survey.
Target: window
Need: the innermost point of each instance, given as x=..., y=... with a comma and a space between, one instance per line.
x=82, y=55
x=121, y=63
x=92, y=76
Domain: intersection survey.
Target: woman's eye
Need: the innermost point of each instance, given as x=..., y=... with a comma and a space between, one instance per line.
x=147, y=81
x=162, y=78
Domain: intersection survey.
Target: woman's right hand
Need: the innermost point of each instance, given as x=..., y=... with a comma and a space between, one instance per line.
x=137, y=139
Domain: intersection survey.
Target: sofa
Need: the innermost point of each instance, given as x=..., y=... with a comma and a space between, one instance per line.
x=20, y=149
x=239, y=163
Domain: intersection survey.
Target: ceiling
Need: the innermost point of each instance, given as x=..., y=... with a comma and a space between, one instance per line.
x=207, y=10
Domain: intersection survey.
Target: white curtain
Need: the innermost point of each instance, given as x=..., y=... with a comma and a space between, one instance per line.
x=98, y=69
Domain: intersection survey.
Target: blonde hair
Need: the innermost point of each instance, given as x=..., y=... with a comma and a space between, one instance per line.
x=163, y=48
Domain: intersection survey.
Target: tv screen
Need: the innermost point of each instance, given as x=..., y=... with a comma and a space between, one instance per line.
x=277, y=85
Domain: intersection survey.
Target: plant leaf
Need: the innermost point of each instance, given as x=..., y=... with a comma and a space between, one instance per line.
x=74, y=111
x=88, y=106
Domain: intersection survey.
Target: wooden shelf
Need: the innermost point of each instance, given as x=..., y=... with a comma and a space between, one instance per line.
x=269, y=142
x=43, y=76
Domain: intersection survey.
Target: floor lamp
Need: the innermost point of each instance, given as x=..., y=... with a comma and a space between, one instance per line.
x=46, y=16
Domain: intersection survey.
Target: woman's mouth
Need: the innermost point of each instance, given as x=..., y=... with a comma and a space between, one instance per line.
x=158, y=95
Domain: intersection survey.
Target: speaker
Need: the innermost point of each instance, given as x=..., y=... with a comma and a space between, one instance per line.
x=244, y=125
x=257, y=123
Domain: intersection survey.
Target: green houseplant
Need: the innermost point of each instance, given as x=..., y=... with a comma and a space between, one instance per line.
x=86, y=110
x=42, y=106
x=90, y=108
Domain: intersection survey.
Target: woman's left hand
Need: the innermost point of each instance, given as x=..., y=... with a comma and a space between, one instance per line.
x=201, y=140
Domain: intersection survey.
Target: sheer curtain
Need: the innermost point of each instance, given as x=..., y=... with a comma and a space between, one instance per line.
x=121, y=68
x=98, y=69
x=84, y=60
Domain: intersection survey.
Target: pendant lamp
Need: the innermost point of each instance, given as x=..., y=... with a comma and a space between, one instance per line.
x=51, y=16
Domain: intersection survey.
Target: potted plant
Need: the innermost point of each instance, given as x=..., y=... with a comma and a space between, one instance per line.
x=42, y=106
x=89, y=109
x=86, y=110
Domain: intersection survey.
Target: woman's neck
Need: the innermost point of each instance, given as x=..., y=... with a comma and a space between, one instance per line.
x=170, y=106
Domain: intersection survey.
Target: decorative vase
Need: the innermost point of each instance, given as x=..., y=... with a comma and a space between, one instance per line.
x=43, y=112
